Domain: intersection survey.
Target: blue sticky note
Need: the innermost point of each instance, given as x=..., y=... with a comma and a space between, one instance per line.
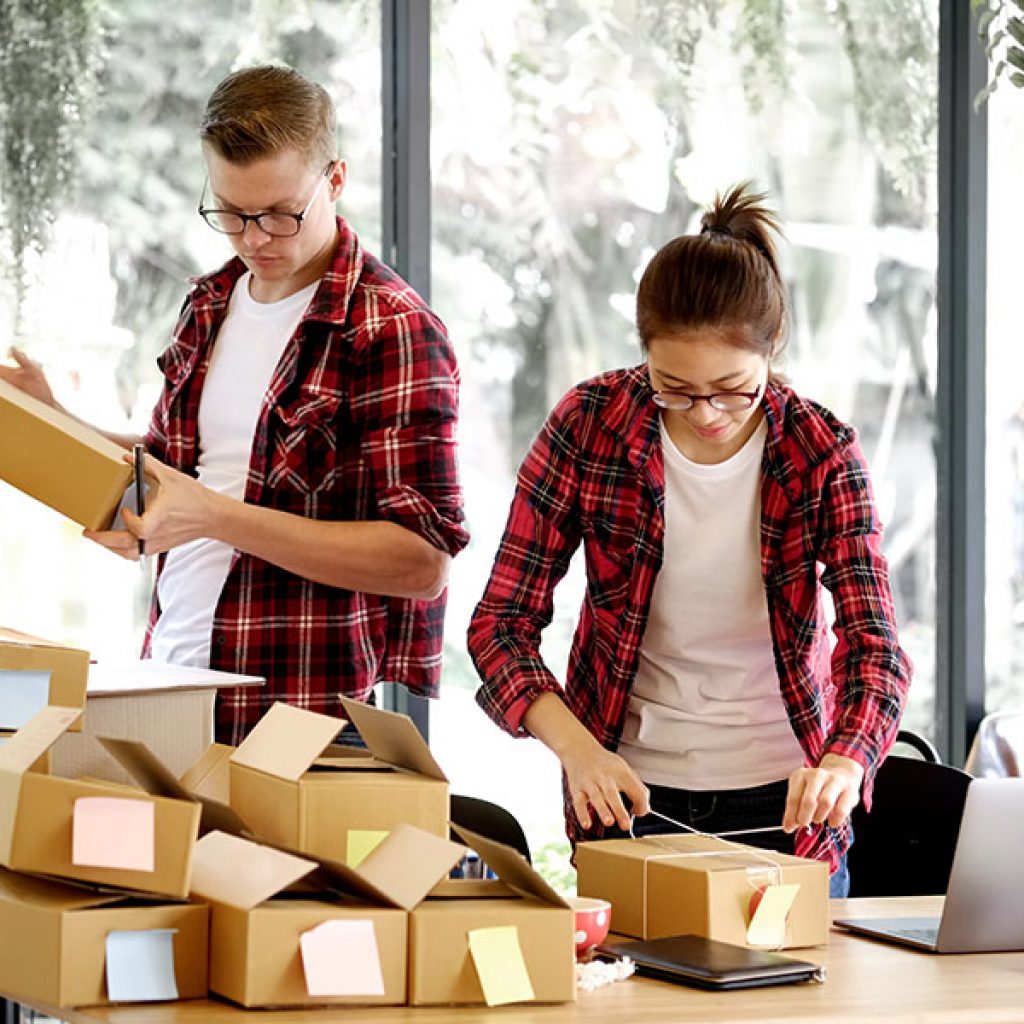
x=22, y=696
x=140, y=966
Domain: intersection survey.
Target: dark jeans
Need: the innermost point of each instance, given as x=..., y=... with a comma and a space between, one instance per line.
x=729, y=810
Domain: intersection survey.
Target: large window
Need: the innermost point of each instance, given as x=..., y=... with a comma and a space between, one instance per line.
x=1004, y=604
x=570, y=140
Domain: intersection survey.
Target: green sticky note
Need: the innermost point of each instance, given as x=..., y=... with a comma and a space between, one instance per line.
x=500, y=966
x=361, y=843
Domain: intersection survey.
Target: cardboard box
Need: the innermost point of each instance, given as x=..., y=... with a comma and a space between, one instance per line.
x=344, y=946
x=210, y=775
x=52, y=674
x=59, y=461
x=42, y=764
x=442, y=968
x=167, y=707
x=699, y=885
x=39, y=815
x=54, y=939
x=329, y=806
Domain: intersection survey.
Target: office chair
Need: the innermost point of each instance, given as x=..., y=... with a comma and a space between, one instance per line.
x=490, y=821
x=905, y=846
x=921, y=745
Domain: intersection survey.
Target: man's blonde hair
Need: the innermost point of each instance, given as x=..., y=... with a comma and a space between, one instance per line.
x=259, y=111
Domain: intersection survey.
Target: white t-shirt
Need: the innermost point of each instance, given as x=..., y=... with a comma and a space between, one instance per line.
x=248, y=348
x=705, y=711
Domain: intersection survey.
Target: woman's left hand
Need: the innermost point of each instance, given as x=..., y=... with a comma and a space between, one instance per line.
x=827, y=793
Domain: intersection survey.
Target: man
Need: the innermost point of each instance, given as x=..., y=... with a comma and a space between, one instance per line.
x=306, y=502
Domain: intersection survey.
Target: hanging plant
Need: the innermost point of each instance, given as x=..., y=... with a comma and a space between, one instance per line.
x=1001, y=33
x=49, y=63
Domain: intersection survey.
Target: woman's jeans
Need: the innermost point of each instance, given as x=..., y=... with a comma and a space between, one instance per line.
x=730, y=810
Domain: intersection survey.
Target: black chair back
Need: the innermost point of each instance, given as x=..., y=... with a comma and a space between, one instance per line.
x=905, y=845
x=489, y=820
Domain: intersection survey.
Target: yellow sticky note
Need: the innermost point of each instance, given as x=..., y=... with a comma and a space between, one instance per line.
x=361, y=843
x=500, y=966
x=768, y=925
x=110, y=832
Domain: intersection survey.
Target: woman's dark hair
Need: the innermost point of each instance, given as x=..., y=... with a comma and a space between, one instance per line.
x=727, y=276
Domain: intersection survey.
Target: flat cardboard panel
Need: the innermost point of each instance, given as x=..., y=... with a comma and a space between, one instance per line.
x=59, y=461
x=210, y=776
x=42, y=837
x=269, y=806
x=256, y=961
x=702, y=894
x=441, y=969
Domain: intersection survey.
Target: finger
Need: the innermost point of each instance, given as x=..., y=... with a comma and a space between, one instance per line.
x=22, y=358
x=619, y=814
x=847, y=801
x=639, y=796
x=793, y=796
x=581, y=805
x=826, y=802
x=115, y=541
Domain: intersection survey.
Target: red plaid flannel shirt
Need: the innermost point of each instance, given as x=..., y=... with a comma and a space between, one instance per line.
x=358, y=424
x=594, y=476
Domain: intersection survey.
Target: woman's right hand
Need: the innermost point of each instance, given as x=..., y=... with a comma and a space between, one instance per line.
x=28, y=376
x=598, y=779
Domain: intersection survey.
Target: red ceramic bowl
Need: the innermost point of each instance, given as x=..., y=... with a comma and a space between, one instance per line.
x=593, y=916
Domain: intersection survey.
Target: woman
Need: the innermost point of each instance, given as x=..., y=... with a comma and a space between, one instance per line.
x=714, y=506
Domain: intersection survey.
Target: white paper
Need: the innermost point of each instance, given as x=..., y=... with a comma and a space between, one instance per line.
x=140, y=966
x=22, y=695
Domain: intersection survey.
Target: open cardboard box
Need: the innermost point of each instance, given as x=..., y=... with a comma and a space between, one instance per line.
x=59, y=461
x=52, y=674
x=341, y=939
x=700, y=885
x=442, y=967
x=54, y=944
x=329, y=806
x=124, y=837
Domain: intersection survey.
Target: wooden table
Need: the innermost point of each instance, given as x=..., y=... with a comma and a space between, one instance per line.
x=868, y=982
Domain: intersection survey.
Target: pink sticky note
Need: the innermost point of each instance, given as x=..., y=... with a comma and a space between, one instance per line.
x=341, y=958
x=109, y=832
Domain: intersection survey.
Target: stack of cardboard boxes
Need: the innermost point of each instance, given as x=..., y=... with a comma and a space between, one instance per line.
x=286, y=872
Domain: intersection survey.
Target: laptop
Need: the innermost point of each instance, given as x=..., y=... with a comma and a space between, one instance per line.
x=707, y=963
x=984, y=907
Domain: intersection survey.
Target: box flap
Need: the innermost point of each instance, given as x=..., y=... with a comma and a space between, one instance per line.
x=35, y=738
x=14, y=636
x=240, y=873
x=286, y=741
x=51, y=894
x=156, y=778
x=399, y=871
x=393, y=738
x=511, y=867
x=209, y=776
x=118, y=678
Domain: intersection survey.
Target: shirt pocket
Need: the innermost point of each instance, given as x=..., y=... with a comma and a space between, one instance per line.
x=303, y=455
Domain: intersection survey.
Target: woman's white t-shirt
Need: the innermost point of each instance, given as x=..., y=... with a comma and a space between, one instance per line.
x=705, y=711
x=249, y=346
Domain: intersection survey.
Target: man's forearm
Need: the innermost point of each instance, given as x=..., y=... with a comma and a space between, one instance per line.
x=377, y=557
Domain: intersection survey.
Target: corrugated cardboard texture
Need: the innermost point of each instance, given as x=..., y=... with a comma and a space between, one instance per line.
x=60, y=462
x=701, y=895
x=209, y=776
x=68, y=666
x=52, y=940
x=177, y=726
x=255, y=957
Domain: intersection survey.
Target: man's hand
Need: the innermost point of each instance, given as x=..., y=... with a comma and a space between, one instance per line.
x=827, y=793
x=28, y=376
x=179, y=509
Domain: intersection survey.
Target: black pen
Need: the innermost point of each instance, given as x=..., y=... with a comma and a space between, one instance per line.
x=139, y=453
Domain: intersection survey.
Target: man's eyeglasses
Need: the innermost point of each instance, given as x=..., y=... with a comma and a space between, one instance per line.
x=723, y=401
x=278, y=225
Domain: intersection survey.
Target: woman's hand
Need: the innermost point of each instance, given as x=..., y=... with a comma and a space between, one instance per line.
x=598, y=778
x=827, y=793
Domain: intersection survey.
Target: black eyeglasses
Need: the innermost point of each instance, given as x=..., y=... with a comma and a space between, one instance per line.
x=278, y=225
x=723, y=401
